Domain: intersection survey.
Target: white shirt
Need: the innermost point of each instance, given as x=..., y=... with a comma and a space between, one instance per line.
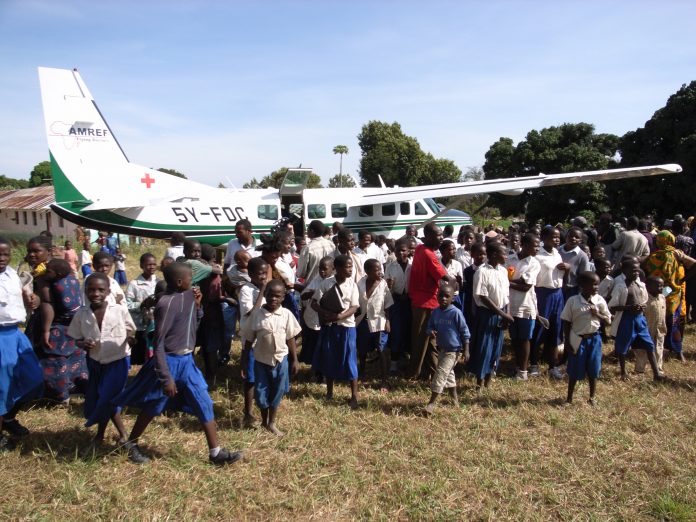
x=234, y=245
x=310, y=315
x=454, y=269
x=524, y=304
x=271, y=331
x=491, y=282
x=577, y=312
x=619, y=296
x=285, y=270
x=399, y=276
x=349, y=296
x=175, y=252
x=12, y=309
x=549, y=276
x=464, y=257
x=606, y=286
x=117, y=326
x=247, y=297
x=137, y=291
x=120, y=265
x=373, y=309
x=85, y=258
x=308, y=262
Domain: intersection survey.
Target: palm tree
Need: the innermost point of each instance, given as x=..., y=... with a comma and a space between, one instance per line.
x=340, y=149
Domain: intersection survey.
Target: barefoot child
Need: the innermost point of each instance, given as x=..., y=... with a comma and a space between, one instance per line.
x=491, y=290
x=448, y=329
x=337, y=353
x=312, y=326
x=582, y=317
x=274, y=328
x=629, y=327
x=373, y=322
x=396, y=274
x=251, y=297
x=106, y=331
x=171, y=380
x=655, y=315
x=21, y=378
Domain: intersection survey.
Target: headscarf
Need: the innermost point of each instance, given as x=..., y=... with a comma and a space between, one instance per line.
x=665, y=264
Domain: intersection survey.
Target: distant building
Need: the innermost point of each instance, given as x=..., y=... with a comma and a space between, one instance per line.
x=28, y=212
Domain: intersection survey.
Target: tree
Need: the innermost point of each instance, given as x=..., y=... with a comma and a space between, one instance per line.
x=570, y=147
x=398, y=158
x=340, y=149
x=341, y=180
x=668, y=137
x=41, y=174
x=173, y=172
x=275, y=179
x=12, y=183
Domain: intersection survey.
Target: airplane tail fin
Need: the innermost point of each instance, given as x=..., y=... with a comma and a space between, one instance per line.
x=90, y=169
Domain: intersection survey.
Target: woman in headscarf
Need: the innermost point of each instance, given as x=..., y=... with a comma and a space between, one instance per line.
x=670, y=264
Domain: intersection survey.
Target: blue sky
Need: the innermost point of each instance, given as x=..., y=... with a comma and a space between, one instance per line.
x=233, y=90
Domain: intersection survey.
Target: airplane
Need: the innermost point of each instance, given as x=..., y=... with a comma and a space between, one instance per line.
x=86, y=158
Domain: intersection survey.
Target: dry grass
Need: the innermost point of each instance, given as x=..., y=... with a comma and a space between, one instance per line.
x=513, y=453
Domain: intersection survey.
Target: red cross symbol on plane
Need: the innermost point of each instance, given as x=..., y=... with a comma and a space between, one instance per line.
x=147, y=180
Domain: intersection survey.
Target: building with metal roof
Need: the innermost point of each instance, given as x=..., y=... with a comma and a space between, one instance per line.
x=27, y=212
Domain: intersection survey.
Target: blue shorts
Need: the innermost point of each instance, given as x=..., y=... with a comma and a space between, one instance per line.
x=588, y=360
x=251, y=374
x=522, y=329
x=272, y=383
x=633, y=333
x=368, y=341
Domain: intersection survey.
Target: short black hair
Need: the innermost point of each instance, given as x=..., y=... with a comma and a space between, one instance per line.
x=178, y=238
x=256, y=263
x=326, y=260
x=364, y=233
x=491, y=246
x=60, y=266
x=478, y=247
x=587, y=277
x=341, y=261
x=370, y=262
x=274, y=283
x=44, y=241
x=207, y=252
x=189, y=244
x=98, y=276
x=5, y=241
x=174, y=272
x=102, y=256
x=317, y=228
x=145, y=257
x=445, y=245
x=344, y=233
x=528, y=239
x=244, y=223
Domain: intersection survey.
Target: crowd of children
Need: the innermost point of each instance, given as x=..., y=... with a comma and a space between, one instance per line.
x=417, y=307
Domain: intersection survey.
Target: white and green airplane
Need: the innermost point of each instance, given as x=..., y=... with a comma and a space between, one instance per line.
x=87, y=159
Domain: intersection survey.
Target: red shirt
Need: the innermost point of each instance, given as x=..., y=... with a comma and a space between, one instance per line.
x=426, y=272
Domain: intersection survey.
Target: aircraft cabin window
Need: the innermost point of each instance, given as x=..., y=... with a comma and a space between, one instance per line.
x=389, y=209
x=268, y=212
x=365, y=211
x=316, y=211
x=339, y=210
x=420, y=209
x=405, y=208
x=433, y=206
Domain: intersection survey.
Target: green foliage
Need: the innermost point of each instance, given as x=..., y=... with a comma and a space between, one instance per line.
x=41, y=174
x=173, y=172
x=275, y=180
x=12, y=183
x=340, y=149
x=668, y=137
x=399, y=159
x=566, y=148
x=341, y=180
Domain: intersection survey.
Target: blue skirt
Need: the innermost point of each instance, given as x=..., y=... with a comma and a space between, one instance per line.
x=21, y=378
x=487, y=343
x=550, y=305
x=120, y=277
x=400, y=320
x=291, y=304
x=368, y=341
x=272, y=383
x=310, y=338
x=146, y=391
x=105, y=382
x=588, y=360
x=633, y=333
x=336, y=356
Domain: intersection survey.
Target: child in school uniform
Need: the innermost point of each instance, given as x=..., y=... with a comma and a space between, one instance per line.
x=21, y=378
x=523, y=269
x=582, y=316
x=491, y=290
x=629, y=327
x=454, y=269
x=466, y=239
x=655, y=315
x=251, y=297
x=103, y=262
x=311, y=327
x=375, y=301
x=336, y=355
x=139, y=297
x=106, y=331
x=171, y=380
x=448, y=329
x=396, y=273
x=237, y=274
x=478, y=258
x=86, y=259
x=120, y=270
x=572, y=254
x=606, y=286
x=273, y=328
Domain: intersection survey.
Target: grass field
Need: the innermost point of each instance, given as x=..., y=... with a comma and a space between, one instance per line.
x=511, y=453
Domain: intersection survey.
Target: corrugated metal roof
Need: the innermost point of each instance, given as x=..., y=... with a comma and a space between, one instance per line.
x=37, y=198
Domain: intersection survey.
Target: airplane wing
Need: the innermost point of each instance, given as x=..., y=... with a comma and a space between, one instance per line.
x=511, y=186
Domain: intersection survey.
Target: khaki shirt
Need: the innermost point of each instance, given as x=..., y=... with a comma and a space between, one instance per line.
x=373, y=309
x=271, y=331
x=582, y=322
x=116, y=327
